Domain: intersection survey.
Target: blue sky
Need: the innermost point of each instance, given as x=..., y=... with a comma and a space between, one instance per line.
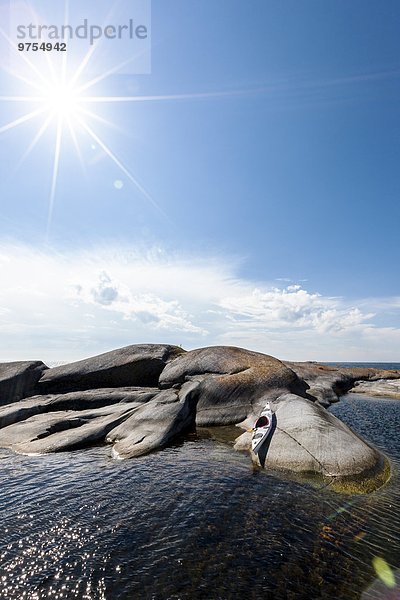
x=276, y=179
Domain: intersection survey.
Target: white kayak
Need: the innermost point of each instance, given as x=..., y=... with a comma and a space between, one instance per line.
x=262, y=428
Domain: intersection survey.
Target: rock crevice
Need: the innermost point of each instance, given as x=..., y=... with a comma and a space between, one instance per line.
x=139, y=398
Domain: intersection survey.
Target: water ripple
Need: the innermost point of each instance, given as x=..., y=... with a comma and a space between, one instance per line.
x=193, y=521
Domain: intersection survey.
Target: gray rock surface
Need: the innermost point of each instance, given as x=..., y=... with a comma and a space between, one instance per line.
x=327, y=383
x=141, y=397
x=63, y=430
x=156, y=423
x=73, y=401
x=135, y=420
x=232, y=381
x=379, y=387
x=139, y=364
x=19, y=379
x=307, y=438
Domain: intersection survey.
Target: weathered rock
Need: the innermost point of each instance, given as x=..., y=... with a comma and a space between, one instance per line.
x=88, y=399
x=306, y=438
x=139, y=420
x=108, y=398
x=154, y=425
x=63, y=430
x=140, y=364
x=327, y=383
x=18, y=380
x=380, y=387
x=232, y=380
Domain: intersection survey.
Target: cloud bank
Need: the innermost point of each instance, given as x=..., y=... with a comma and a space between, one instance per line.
x=60, y=307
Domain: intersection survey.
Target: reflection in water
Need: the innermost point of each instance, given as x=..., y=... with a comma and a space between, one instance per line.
x=194, y=521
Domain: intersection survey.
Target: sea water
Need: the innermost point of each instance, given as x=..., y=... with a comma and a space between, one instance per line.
x=195, y=521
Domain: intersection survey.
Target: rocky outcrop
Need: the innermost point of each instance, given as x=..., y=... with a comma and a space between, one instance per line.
x=233, y=382
x=140, y=364
x=153, y=425
x=63, y=430
x=327, y=383
x=378, y=387
x=309, y=439
x=141, y=397
x=73, y=401
x=135, y=420
x=19, y=380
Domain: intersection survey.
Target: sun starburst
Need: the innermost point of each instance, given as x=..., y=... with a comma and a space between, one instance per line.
x=61, y=101
x=66, y=102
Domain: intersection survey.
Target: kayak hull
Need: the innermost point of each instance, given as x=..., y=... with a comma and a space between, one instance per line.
x=262, y=429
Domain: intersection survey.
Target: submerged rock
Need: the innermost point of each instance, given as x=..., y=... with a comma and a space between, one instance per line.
x=19, y=380
x=141, y=397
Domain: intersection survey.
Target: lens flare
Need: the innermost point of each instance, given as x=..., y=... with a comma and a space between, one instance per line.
x=62, y=100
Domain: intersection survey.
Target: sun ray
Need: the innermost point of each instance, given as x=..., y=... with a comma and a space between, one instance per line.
x=64, y=101
x=198, y=96
x=86, y=59
x=23, y=57
x=35, y=140
x=65, y=56
x=21, y=98
x=119, y=164
x=29, y=82
x=54, y=176
x=76, y=145
x=83, y=63
x=99, y=118
x=22, y=119
x=106, y=74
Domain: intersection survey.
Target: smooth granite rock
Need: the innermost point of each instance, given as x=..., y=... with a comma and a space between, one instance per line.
x=327, y=383
x=379, y=387
x=156, y=423
x=19, y=380
x=141, y=397
x=308, y=439
x=73, y=401
x=63, y=430
x=232, y=380
x=140, y=364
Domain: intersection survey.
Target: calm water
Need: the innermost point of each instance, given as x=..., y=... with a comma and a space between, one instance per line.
x=194, y=521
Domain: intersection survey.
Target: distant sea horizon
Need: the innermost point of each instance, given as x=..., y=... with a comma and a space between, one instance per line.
x=371, y=365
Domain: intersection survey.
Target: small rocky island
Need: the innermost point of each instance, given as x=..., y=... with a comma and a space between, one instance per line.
x=139, y=398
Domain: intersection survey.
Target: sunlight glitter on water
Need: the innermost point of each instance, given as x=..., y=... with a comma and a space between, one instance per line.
x=193, y=521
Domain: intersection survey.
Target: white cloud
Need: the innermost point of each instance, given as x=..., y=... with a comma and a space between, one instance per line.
x=147, y=308
x=105, y=292
x=292, y=307
x=66, y=306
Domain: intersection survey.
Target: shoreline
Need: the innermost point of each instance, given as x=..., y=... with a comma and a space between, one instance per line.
x=139, y=398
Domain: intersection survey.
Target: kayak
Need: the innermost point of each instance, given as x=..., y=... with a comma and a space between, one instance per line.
x=262, y=428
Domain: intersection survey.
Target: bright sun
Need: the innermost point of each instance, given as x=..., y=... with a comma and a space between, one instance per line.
x=58, y=98
x=62, y=100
